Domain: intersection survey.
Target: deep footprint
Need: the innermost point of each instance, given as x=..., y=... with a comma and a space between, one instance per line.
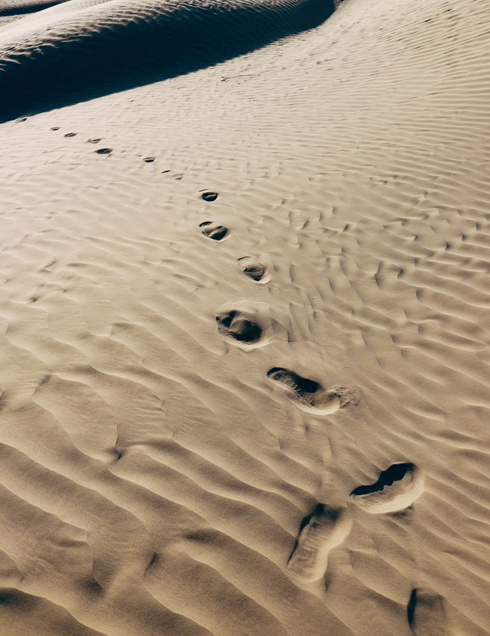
x=209, y=196
x=251, y=268
x=213, y=230
x=310, y=395
x=320, y=532
x=396, y=489
x=426, y=614
x=239, y=326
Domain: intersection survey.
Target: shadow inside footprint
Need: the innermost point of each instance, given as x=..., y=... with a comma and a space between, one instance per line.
x=310, y=394
x=239, y=326
x=396, y=489
x=209, y=196
x=426, y=613
x=213, y=230
x=252, y=269
x=319, y=533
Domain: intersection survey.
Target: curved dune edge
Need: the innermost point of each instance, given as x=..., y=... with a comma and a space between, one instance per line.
x=17, y=7
x=78, y=50
x=391, y=494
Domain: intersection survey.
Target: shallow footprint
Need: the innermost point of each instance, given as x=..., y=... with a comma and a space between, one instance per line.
x=214, y=231
x=310, y=395
x=426, y=614
x=253, y=269
x=239, y=325
x=320, y=532
x=396, y=489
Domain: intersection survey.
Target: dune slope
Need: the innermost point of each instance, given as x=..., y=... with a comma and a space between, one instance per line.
x=83, y=48
x=245, y=346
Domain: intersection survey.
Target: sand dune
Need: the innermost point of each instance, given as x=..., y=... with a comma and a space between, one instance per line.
x=244, y=333
x=83, y=48
x=19, y=7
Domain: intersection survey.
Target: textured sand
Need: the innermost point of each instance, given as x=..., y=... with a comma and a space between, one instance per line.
x=167, y=466
x=79, y=49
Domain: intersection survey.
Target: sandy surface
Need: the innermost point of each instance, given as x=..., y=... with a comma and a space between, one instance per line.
x=261, y=413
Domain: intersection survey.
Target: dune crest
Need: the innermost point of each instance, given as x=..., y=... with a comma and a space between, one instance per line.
x=83, y=48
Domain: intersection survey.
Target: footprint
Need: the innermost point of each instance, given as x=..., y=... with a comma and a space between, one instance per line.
x=311, y=396
x=253, y=269
x=149, y=159
x=426, y=614
x=55, y=128
x=396, y=489
x=94, y=141
x=71, y=135
x=104, y=151
x=240, y=326
x=249, y=325
x=214, y=231
x=209, y=196
x=321, y=531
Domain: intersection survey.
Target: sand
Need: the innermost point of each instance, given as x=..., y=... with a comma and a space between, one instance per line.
x=244, y=322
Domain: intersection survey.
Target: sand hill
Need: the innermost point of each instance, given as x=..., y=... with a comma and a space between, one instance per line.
x=245, y=271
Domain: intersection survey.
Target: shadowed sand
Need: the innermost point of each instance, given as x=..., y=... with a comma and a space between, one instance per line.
x=396, y=489
x=22, y=613
x=17, y=7
x=84, y=48
x=325, y=529
x=426, y=614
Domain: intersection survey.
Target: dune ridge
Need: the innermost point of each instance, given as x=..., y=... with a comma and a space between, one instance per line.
x=154, y=480
x=79, y=49
x=19, y=7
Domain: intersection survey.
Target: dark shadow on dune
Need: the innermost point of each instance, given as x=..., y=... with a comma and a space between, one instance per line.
x=29, y=6
x=116, y=46
x=411, y=607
